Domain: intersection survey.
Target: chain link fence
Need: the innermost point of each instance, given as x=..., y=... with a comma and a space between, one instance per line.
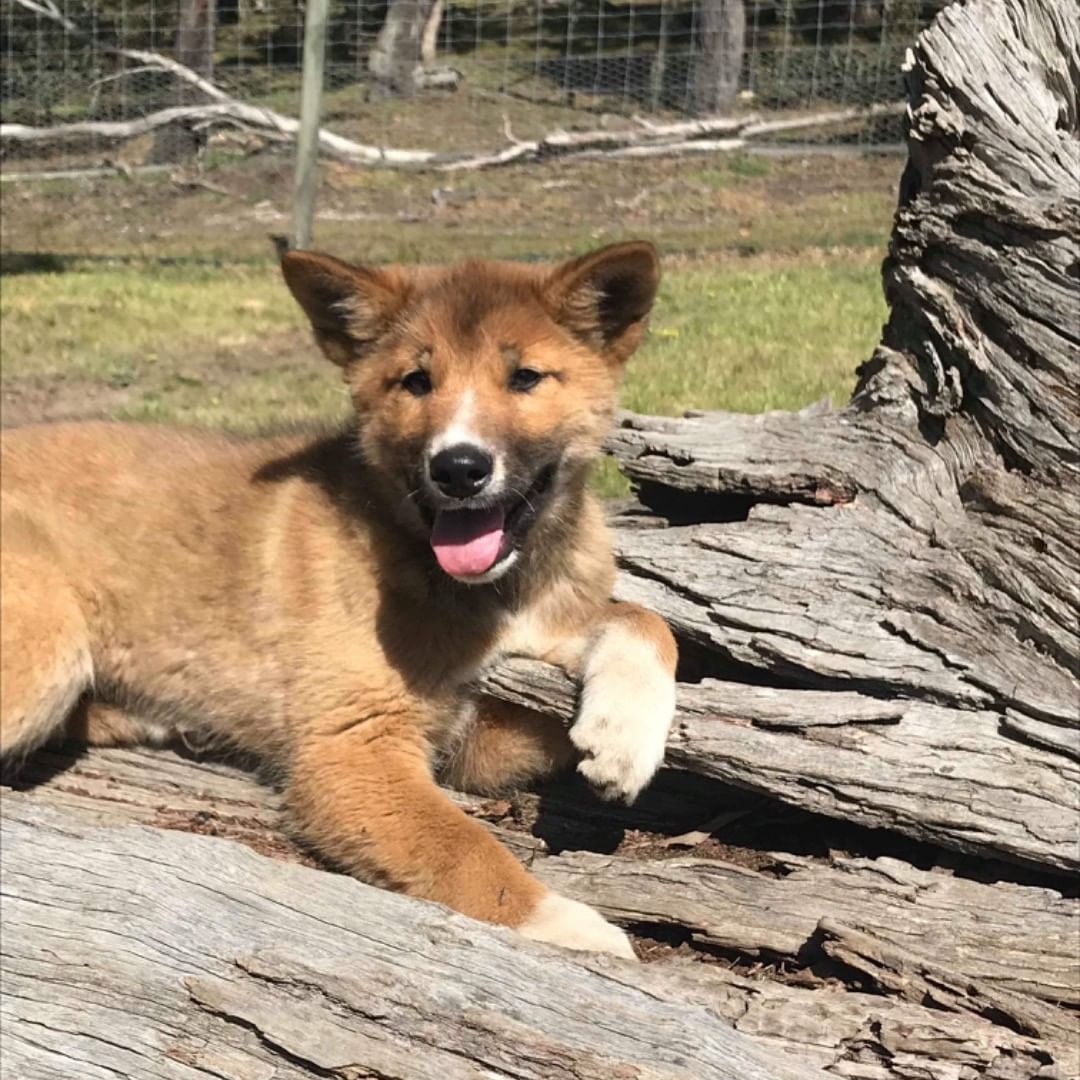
x=447, y=76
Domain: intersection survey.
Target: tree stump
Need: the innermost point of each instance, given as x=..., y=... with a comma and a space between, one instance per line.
x=398, y=49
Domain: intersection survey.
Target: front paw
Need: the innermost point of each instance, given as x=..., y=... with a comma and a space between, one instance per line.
x=573, y=925
x=627, y=707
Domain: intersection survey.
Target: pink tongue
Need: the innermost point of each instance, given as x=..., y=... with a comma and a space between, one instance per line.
x=467, y=542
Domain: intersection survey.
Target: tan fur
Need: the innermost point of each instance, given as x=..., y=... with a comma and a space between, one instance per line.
x=280, y=593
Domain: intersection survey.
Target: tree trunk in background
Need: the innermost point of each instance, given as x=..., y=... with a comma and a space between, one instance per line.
x=194, y=49
x=721, y=32
x=429, y=40
x=398, y=48
x=195, y=36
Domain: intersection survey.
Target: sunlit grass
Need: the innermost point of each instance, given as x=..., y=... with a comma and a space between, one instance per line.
x=227, y=347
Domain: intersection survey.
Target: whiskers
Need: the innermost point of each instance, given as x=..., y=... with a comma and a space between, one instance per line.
x=524, y=498
x=411, y=498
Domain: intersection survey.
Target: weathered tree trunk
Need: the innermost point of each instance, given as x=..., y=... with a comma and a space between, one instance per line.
x=720, y=35
x=429, y=39
x=195, y=38
x=149, y=952
x=398, y=49
x=217, y=957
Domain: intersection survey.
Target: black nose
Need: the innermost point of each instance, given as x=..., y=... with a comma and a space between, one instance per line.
x=461, y=471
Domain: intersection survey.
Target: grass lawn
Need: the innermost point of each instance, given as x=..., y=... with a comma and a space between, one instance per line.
x=229, y=348
x=771, y=295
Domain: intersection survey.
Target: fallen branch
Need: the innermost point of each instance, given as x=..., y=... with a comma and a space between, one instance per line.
x=643, y=140
x=640, y=141
x=657, y=141
x=121, y=942
x=271, y=125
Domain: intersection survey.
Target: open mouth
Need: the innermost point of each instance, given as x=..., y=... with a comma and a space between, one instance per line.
x=472, y=541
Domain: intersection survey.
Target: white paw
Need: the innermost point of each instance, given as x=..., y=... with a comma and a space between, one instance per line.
x=573, y=925
x=627, y=706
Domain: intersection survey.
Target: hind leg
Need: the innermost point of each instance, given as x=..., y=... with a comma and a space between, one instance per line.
x=508, y=747
x=45, y=662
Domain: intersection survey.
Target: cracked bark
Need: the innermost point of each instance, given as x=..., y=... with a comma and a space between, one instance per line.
x=235, y=965
x=141, y=952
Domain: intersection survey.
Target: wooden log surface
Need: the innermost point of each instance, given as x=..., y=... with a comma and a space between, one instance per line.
x=885, y=596
x=842, y=954
x=153, y=953
x=950, y=776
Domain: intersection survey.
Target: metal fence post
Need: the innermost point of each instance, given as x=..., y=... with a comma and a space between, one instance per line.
x=307, y=138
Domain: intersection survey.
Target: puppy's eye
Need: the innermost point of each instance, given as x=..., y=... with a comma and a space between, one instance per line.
x=416, y=382
x=525, y=379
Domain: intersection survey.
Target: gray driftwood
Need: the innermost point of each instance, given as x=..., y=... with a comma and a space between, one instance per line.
x=996, y=962
x=146, y=953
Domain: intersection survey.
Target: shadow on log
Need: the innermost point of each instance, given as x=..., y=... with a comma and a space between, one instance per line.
x=878, y=607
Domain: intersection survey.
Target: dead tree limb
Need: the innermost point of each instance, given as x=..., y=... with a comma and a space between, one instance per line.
x=654, y=141
x=647, y=140
x=135, y=952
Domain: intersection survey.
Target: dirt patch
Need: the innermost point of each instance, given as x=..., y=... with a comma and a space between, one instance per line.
x=249, y=831
x=32, y=401
x=538, y=210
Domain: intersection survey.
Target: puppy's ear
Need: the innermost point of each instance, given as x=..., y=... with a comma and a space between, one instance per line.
x=604, y=298
x=350, y=307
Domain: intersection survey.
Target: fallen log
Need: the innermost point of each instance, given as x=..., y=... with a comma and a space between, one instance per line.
x=994, y=963
x=140, y=952
x=274, y=127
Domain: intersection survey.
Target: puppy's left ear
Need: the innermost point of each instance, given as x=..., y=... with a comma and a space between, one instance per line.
x=604, y=298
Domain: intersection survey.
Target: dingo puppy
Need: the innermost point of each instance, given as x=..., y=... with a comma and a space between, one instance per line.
x=326, y=603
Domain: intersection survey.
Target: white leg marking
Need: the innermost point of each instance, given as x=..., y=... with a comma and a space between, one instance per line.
x=627, y=706
x=573, y=925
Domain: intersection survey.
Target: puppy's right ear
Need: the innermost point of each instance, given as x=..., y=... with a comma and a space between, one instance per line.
x=350, y=307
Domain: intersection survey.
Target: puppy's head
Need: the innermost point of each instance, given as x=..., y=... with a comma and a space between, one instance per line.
x=482, y=390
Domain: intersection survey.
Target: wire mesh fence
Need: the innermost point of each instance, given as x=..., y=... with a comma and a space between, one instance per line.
x=444, y=75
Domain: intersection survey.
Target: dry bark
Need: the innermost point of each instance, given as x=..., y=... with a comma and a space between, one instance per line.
x=148, y=953
x=995, y=962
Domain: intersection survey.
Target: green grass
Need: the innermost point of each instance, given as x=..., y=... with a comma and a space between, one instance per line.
x=227, y=347
x=747, y=340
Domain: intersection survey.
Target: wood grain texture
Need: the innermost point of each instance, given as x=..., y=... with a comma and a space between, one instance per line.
x=916, y=548
x=151, y=953
x=996, y=962
x=950, y=776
